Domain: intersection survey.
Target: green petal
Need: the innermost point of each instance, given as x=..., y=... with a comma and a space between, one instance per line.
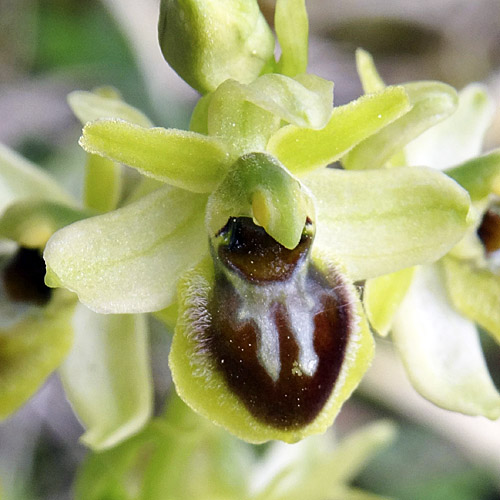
x=292, y=29
x=259, y=186
x=32, y=349
x=90, y=106
x=459, y=137
x=368, y=74
x=31, y=223
x=130, y=260
x=201, y=384
x=396, y=226
x=475, y=293
x=479, y=176
x=302, y=150
x=106, y=376
x=431, y=102
x=382, y=297
x=20, y=178
x=441, y=350
x=184, y=159
x=209, y=42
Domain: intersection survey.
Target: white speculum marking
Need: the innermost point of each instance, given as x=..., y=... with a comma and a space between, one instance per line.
x=257, y=302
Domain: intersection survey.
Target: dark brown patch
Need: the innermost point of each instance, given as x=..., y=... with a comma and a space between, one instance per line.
x=489, y=231
x=23, y=278
x=294, y=400
x=257, y=257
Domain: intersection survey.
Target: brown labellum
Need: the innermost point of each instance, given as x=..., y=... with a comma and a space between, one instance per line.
x=489, y=231
x=280, y=327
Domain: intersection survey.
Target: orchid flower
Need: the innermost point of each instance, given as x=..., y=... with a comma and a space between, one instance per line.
x=432, y=310
x=103, y=361
x=253, y=240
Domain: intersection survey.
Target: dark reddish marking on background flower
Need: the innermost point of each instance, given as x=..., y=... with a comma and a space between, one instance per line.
x=23, y=278
x=489, y=231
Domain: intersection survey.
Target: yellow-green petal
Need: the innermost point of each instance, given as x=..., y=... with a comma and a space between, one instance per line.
x=103, y=183
x=382, y=297
x=431, y=102
x=292, y=29
x=130, y=260
x=441, y=350
x=460, y=136
x=475, y=293
x=31, y=349
x=202, y=386
x=259, y=186
x=106, y=376
x=183, y=159
x=376, y=222
x=302, y=150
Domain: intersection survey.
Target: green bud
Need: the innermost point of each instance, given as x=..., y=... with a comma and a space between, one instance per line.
x=208, y=41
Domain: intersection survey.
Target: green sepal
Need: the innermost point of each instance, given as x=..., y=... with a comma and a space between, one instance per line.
x=382, y=297
x=259, y=186
x=199, y=117
x=459, y=137
x=31, y=349
x=431, y=102
x=31, y=222
x=479, y=176
x=183, y=159
x=201, y=385
x=368, y=74
x=106, y=376
x=207, y=43
x=292, y=29
x=130, y=260
x=103, y=183
x=441, y=350
x=368, y=235
x=475, y=293
x=19, y=178
x=104, y=103
x=302, y=150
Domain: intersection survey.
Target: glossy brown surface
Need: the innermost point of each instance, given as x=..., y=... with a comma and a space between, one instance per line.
x=294, y=399
x=251, y=252
x=489, y=231
x=23, y=278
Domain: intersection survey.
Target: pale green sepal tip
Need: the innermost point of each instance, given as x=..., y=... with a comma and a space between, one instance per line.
x=302, y=150
x=479, y=176
x=201, y=385
x=259, y=186
x=90, y=106
x=441, y=350
x=129, y=260
x=183, y=159
x=475, y=292
x=431, y=102
x=368, y=74
x=382, y=297
x=292, y=29
x=106, y=376
x=369, y=235
x=208, y=42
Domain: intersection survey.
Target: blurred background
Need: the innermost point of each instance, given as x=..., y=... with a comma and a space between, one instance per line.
x=51, y=47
